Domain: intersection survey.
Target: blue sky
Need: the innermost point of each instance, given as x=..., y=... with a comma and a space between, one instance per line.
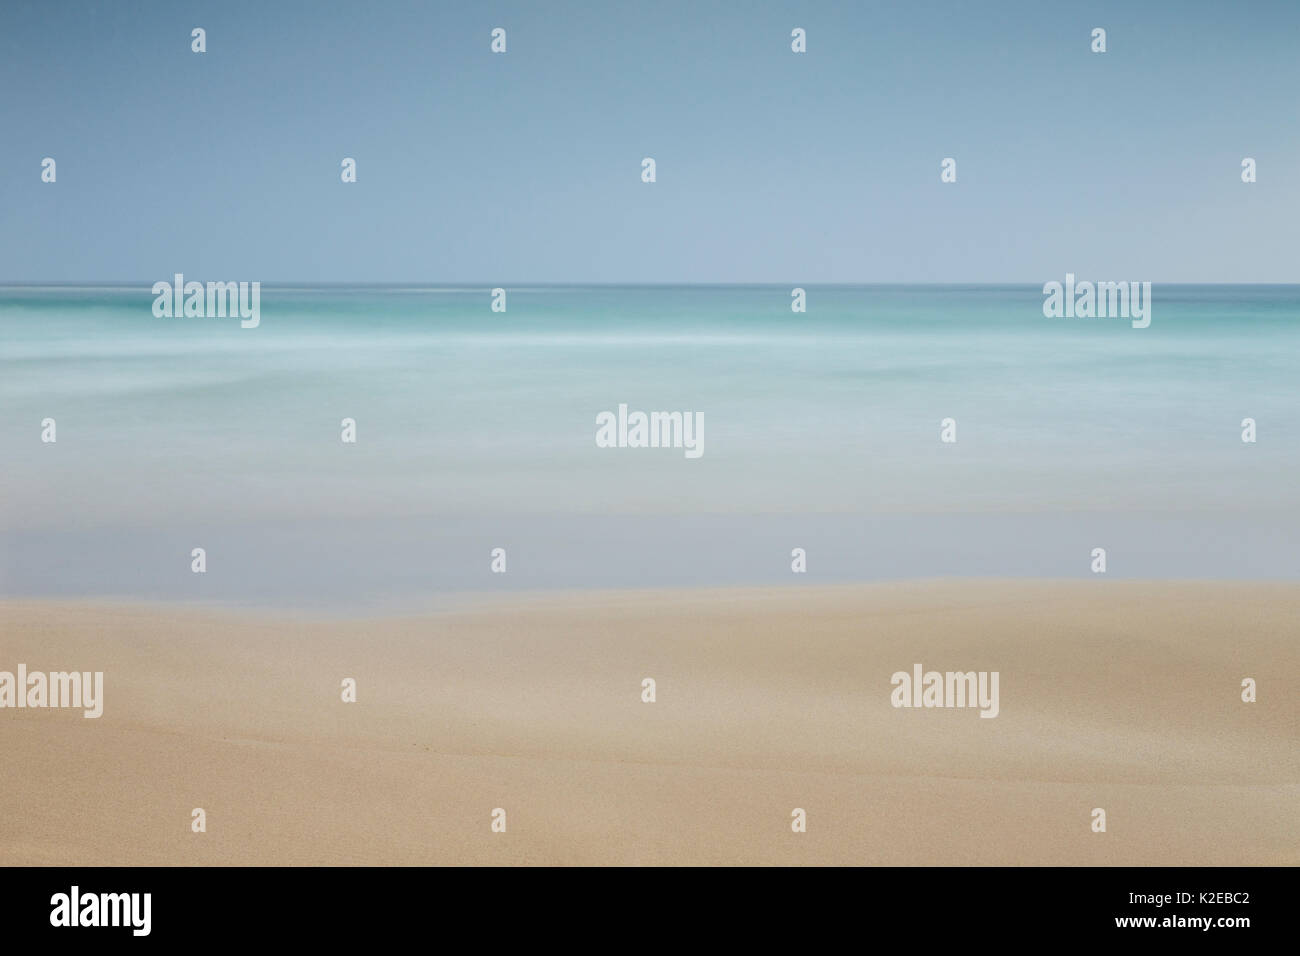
x=772, y=166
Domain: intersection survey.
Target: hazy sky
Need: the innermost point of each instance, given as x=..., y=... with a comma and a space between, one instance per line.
x=772, y=166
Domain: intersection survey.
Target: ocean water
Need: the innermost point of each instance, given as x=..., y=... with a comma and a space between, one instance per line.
x=477, y=430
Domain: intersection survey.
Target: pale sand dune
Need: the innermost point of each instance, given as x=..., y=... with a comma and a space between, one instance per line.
x=1122, y=695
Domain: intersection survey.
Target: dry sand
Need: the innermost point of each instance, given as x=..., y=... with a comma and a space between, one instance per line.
x=1120, y=695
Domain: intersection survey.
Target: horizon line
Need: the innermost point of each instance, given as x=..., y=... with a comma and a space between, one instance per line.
x=432, y=284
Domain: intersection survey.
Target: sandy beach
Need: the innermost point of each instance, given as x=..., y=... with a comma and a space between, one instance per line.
x=1117, y=695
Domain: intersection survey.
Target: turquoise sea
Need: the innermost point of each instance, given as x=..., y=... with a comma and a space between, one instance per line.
x=476, y=429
